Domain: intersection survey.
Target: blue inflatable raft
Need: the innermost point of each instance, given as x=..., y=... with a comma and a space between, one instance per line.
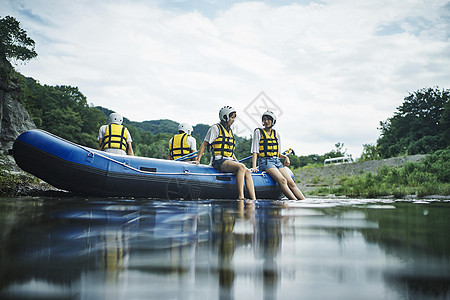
x=84, y=170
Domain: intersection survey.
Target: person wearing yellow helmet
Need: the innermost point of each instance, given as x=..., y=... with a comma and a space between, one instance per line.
x=114, y=137
x=266, y=151
x=221, y=139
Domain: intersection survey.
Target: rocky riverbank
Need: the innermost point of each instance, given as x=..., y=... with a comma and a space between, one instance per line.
x=14, y=182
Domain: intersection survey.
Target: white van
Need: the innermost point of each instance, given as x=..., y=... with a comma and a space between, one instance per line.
x=337, y=160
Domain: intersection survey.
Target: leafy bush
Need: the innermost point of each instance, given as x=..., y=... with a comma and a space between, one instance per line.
x=427, y=177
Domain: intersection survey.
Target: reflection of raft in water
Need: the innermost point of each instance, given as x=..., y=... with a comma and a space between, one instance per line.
x=80, y=169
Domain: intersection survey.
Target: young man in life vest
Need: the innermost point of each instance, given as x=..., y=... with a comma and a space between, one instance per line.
x=222, y=142
x=266, y=150
x=114, y=137
x=182, y=143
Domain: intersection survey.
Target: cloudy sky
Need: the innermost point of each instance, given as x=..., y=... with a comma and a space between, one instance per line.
x=331, y=69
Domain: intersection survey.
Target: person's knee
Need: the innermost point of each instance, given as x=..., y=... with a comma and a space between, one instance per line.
x=247, y=171
x=242, y=168
x=283, y=181
x=248, y=174
x=291, y=183
x=239, y=169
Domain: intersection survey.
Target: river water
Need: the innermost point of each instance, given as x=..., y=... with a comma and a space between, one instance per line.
x=78, y=248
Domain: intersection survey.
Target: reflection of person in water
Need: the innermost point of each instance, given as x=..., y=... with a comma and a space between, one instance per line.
x=266, y=239
x=224, y=240
x=66, y=243
x=266, y=245
x=115, y=251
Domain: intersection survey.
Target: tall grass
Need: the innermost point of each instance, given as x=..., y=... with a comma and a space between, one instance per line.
x=430, y=176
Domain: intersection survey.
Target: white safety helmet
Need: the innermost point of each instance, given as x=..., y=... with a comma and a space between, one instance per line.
x=270, y=114
x=115, y=118
x=185, y=127
x=225, y=112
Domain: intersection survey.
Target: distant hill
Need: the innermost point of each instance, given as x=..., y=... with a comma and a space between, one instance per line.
x=201, y=129
x=156, y=126
x=159, y=126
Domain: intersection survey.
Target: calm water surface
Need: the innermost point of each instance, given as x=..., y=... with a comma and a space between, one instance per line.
x=77, y=248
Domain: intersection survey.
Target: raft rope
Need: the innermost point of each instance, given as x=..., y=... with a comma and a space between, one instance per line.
x=264, y=174
x=92, y=154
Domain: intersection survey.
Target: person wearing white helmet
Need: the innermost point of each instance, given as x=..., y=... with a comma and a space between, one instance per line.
x=114, y=137
x=182, y=143
x=265, y=150
x=221, y=139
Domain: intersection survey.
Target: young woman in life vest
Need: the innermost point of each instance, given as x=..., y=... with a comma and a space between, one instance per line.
x=114, y=137
x=183, y=143
x=266, y=151
x=221, y=139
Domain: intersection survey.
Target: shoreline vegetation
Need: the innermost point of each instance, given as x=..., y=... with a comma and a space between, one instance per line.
x=419, y=176
x=408, y=177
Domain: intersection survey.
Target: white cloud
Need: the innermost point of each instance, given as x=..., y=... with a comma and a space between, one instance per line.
x=335, y=68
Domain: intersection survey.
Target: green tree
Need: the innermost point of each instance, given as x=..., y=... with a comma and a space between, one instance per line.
x=242, y=150
x=418, y=126
x=14, y=41
x=295, y=161
x=337, y=152
x=370, y=152
x=445, y=121
x=309, y=160
x=62, y=110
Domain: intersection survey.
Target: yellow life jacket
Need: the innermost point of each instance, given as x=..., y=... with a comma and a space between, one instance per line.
x=224, y=144
x=268, y=144
x=179, y=146
x=115, y=137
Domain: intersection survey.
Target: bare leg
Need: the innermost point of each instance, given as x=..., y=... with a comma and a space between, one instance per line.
x=249, y=184
x=241, y=177
x=282, y=181
x=291, y=184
